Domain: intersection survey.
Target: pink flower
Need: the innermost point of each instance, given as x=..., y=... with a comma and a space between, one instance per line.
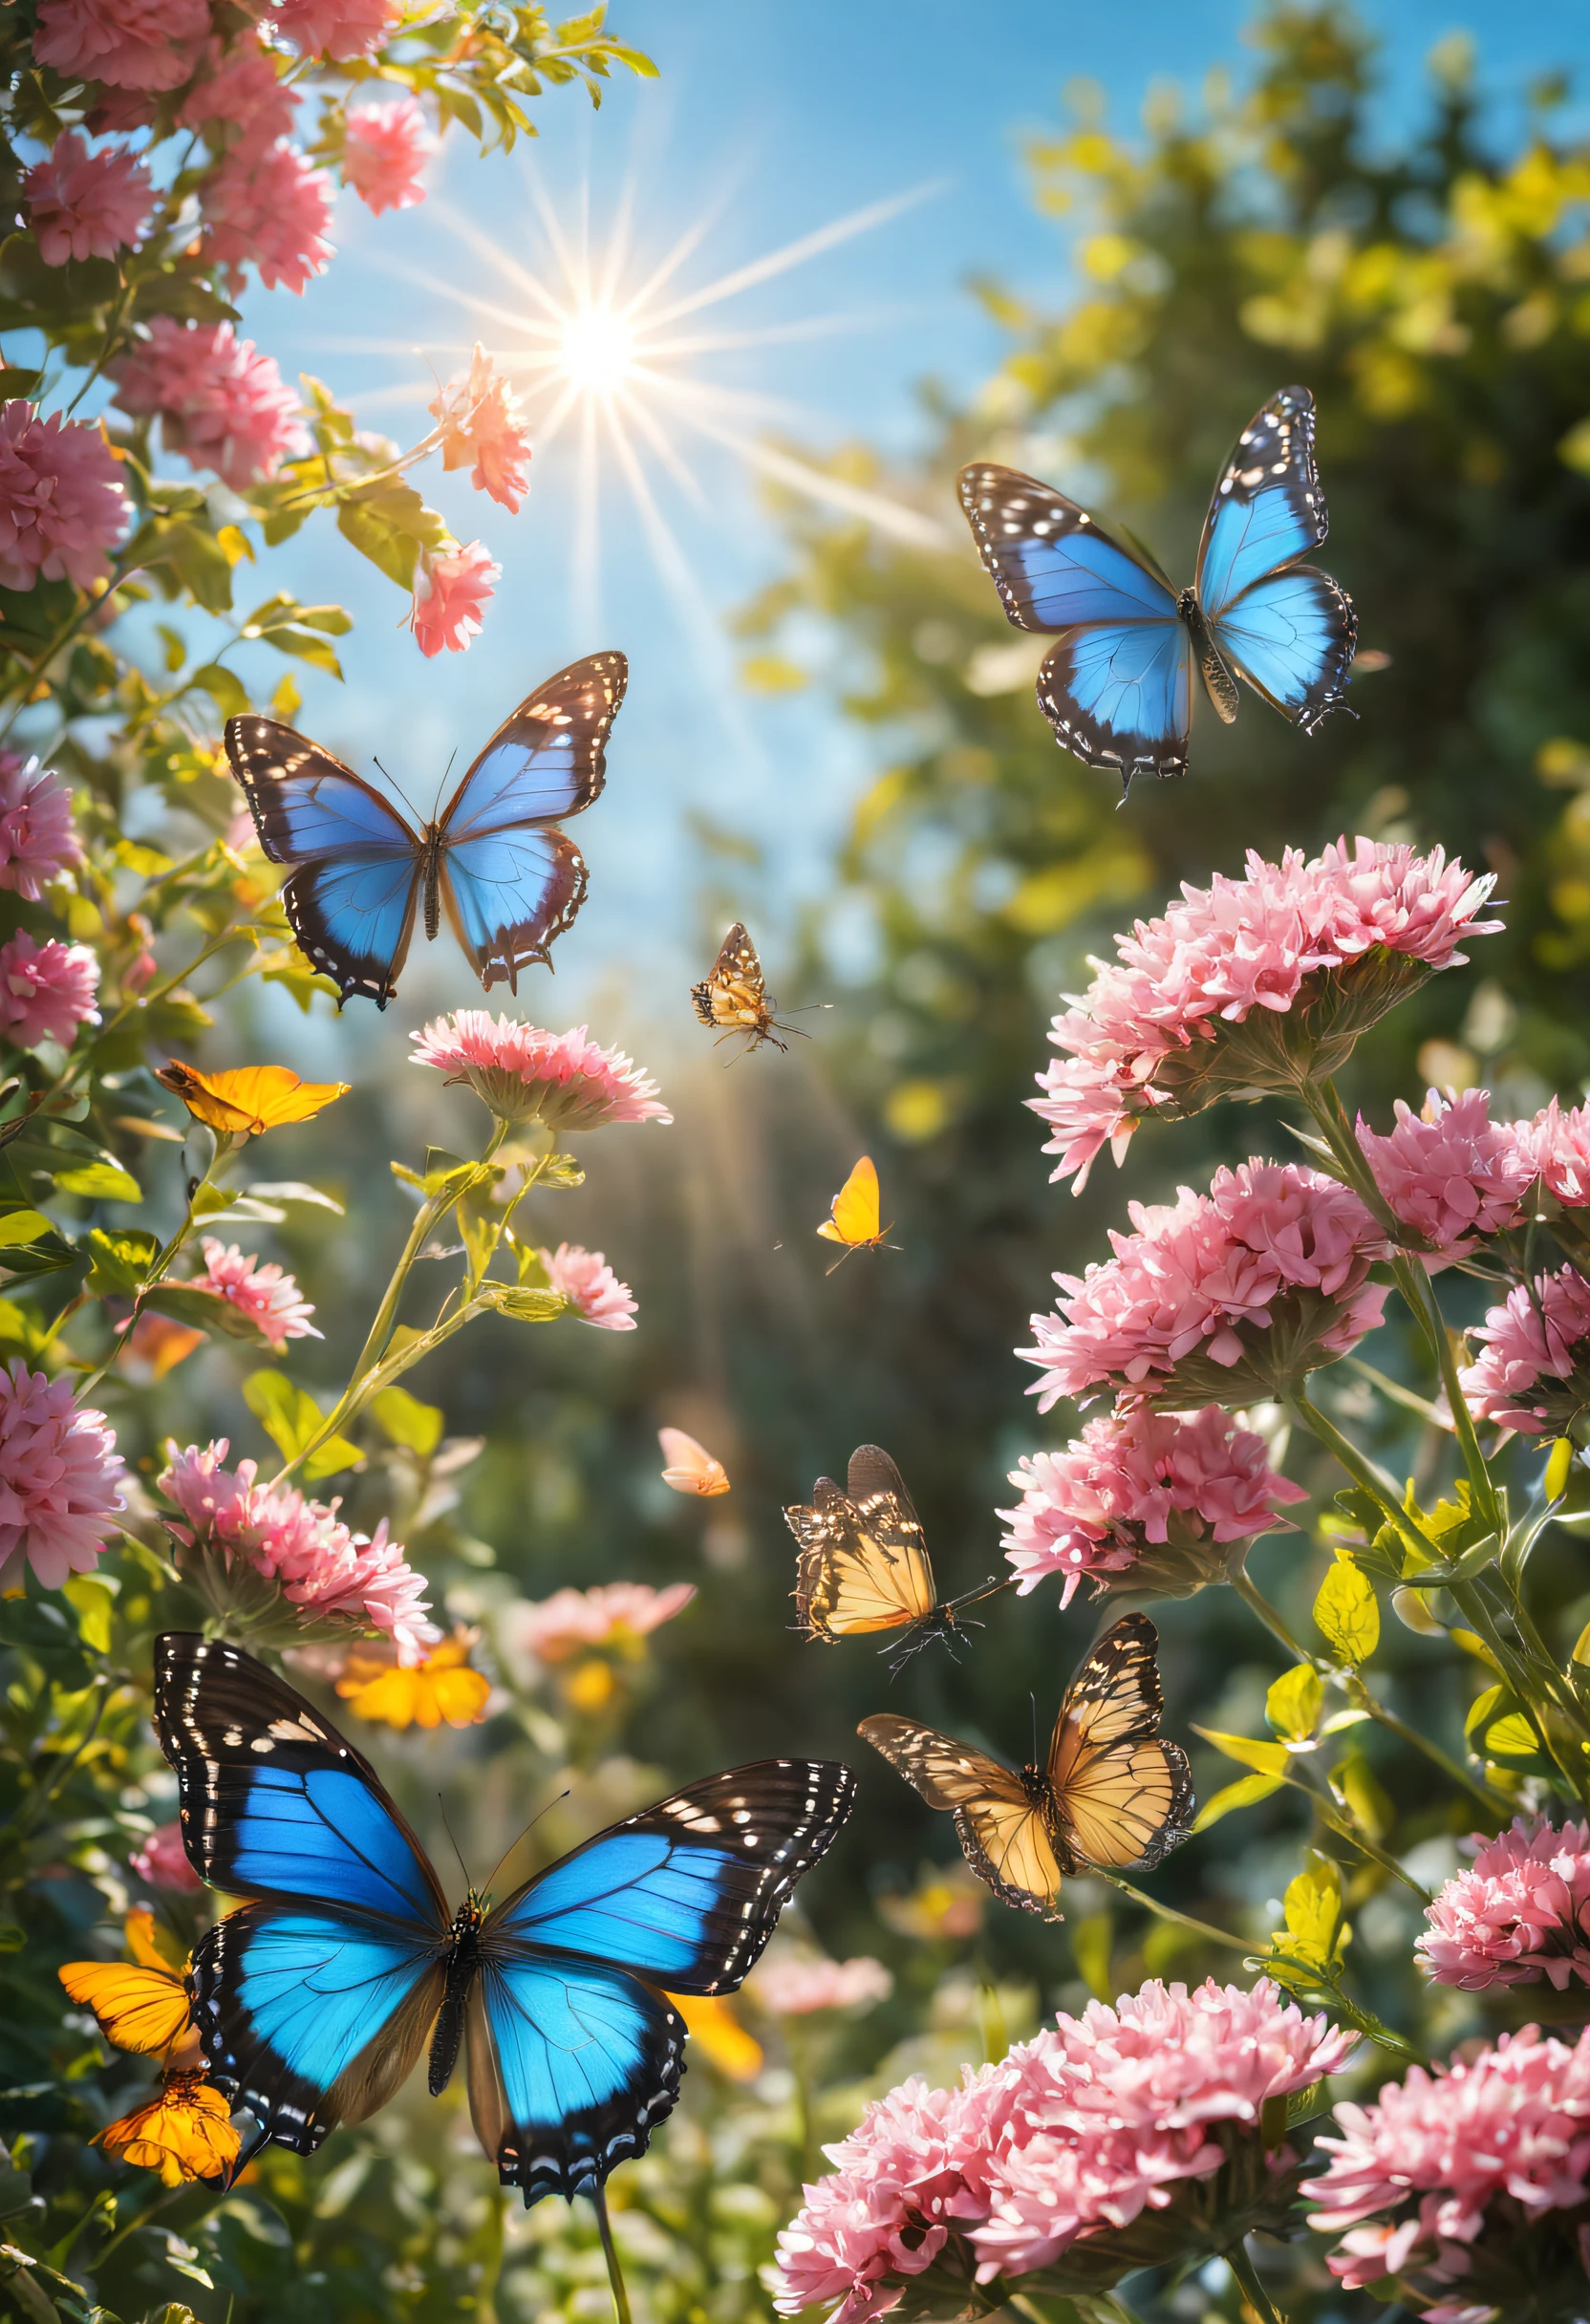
x=1329, y=944
x=37, y=841
x=270, y=210
x=482, y=424
x=221, y=403
x=590, y=1285
x=1556, y=1146
x=265, y=1294
x=242, y=91
x=245, y=1534
x=524, y=1074
x=62, y=505
x=161, y=1861
x=1269, y=1242
x=450, y=588
x=385, y=150
x=1478, y=2154
x=1521, y=1912
x=342, y=29
x=614, y=1613
x=131, y=44
x=86, y=205
x=1078, y=2132
x=46, y=990
x=1449, y=1172
x=1524, y=1376
x=791, y=1986
x=1137, y=1479
x=60, y=1480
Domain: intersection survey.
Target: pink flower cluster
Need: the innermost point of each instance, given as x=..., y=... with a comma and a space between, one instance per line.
x=385, y=152
x=554, y=1628
x=86, y=205
x=266, y=1294
x=1138, y=1477
x=339, y=29
x=484, y=429
x=63, y=506
x=1523, y=1376
x=219, y=403
x=60, y=1480
x=129, y=44
x=37, y=841
x=1449, y=1172
x=791, y=1986
x=1225, y=949
x=451, y=589
x=1201, y=1271
x=1519, y=1912
x=524, y=1074
x=1557, y=1146
x=270, y=210
x=585, y=1280
x=163, y=1861
x=1417, y=2178
x=1076, y=2132
x=242, y=91
x=321, y=1568
x=46, y=990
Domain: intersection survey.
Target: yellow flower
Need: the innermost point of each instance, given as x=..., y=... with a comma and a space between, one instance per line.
x=724, y=2039
x=251, y=1099
x=443, y=1686
x=183, y=2133
x=589, y=1687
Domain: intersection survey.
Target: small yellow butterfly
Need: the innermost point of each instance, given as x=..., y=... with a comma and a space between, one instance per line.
x=854, y=1221
x=250, y=1100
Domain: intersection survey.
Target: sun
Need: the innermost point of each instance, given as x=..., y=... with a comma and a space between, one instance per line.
x=597, y=351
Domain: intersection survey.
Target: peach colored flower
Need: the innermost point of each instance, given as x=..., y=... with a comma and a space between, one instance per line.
x=86, y=205
x=451, y=589
x=612, y=1613
x=484, y=429
x=340, y=28
x=242, y=91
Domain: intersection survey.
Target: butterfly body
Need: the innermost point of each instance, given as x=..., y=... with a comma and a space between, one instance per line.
x=1112, y=1792
x=317, y=1996
x=734, y=997
x=494, y=864
x=1117, y=687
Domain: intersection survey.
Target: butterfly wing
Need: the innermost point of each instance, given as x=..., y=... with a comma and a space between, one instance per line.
x=1002, y=1830
x=136, y=2008
x=863, y=1562
x=734, y=997
x=574, y=2052
x=351, y=895
x=1124, y=1795
x=1118, y=689
x=314, y=2000
x=855, y=1208
x=510, y=883
x=1289, y=630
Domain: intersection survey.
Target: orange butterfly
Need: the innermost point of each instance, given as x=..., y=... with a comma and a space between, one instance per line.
x=856, y=1215
x=250, y=1100
x=140, y=2005
x=690, y=1467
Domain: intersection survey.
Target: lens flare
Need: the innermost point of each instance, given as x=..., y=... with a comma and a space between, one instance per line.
x=597, y=351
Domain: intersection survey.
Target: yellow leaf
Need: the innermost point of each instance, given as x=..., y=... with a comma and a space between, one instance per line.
x=1266, y=1758
x=1293, y=1703
x=1348, y=1613
x=1242, y=1794
x=1313, y=1910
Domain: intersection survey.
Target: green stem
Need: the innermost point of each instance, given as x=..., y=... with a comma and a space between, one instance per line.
x=1362, y=1700
x=119, y=316
x=23, y=1823
x=1327, y=1991
x=615, y=2273
x=143, y=2218
x=1168, y=1912
x=1254, y=1597
x=1252, y=2286
x=1364, y=1472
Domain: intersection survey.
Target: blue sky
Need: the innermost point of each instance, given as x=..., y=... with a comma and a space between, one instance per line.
x=768, y=125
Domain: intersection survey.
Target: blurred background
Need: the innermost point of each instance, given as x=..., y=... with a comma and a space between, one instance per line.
x=863, y=247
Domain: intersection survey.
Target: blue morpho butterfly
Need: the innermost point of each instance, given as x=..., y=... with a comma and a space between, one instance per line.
x=1118, y=687
x=314, y=1998
x=493, y=861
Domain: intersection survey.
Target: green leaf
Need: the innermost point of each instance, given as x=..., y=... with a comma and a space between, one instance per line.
x=1242, y=1794
x=1293, y=1703
x=1313, y=1910
x=207, y=1311
x=525, y=1306
x=306, y=646
x=415, y=1426
x=23, y=1227
x=1347, y=1614
x=295, y=1189
x=1266, y=1758
x=292, y=1419
x=224, y=688
x=1498, y=1726
x=1360, y=1791
x=390, y=525
x=100, y=1182
x=121, y=1260
x=95, y=1603
x=560, y=1171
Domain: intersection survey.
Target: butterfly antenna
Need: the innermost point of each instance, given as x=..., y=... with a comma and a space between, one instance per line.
x=1033, y=1700
x=457, y=1850
x=442, y=784
x=401, y=793
x=522, y=1835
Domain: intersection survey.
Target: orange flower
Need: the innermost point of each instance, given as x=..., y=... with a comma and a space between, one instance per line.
x=156, y=1340
x=443, y=1686
x=724, y=2040
x=251, y=1099
x=185, y=2132
x=140, y=2005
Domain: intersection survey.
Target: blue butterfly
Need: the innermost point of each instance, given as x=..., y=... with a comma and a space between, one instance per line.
x=314, y=1999
x=1118, y=687
x=494, y=861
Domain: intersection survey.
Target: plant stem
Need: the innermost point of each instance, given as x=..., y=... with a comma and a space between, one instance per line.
x=615, y=2273
x=1364, y=1472
x=1364, y=1700
x=1169, y=1913
x=1254, y=1597
x=1252, y=2286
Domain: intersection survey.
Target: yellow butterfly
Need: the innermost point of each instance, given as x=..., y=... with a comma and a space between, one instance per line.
x=140, y=2005
x=856, y=1215
x=691, y=1468
x=864, y=1560
x=734, y=997
x=1112, y=1792
x=250, y=1100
